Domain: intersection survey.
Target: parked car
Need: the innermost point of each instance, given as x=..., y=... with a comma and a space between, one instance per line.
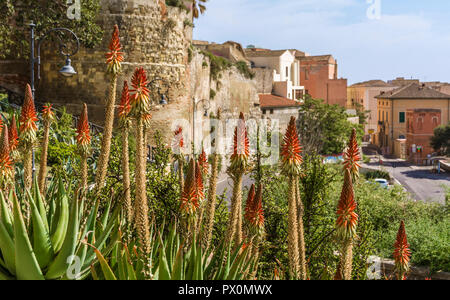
x=382, y=182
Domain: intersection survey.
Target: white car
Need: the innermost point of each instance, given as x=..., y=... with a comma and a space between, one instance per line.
x=383, y=182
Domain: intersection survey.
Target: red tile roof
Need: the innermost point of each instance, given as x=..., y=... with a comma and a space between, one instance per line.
x=272, y=101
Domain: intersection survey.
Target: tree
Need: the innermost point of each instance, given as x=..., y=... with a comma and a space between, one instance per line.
x=441, y=139
x=324, y=128
x=46, y=14
x=198, y=8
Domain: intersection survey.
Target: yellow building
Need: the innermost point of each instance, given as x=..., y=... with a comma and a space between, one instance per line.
x=392, y=108
x=363, y=94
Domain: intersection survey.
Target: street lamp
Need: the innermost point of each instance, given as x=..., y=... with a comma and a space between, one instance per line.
x=163, y=101
x=66, y=71
x=206, y=107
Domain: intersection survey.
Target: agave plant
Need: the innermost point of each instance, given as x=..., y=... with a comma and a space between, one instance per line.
x=402, y=254
x=291, y=161
x=125, y=122
x=28, y=134
x=48, y=116
x=46, y=247
x=171, y=260
x=239, y=166
x=114, y=58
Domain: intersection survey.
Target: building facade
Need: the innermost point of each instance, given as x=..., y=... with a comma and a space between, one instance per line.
x=362, y=96
x=282, y=67
x=319, y=76
x=392, y=113
x=279, y=109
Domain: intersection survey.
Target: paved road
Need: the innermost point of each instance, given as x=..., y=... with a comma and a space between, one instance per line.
x=419, y=181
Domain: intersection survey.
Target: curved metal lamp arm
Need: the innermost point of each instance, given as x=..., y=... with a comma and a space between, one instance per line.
x=62, y=45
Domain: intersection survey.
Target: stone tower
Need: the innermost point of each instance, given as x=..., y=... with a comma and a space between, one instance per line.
x=153, y=36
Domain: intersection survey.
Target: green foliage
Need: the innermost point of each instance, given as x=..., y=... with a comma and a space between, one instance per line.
x=217, y=64
x=441, y=139
x=245, y=70
x=362, y=113
x=177, y=3
x=212, y=94
x=17, y=15
x=324, y=128
x=38, y=247
x=377, y=174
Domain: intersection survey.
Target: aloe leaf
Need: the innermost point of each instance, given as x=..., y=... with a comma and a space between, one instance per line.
x=61, y=228
x=41, y=238
x=27, y=266
x=5, y=215
x=59, y=266
x=7, y=248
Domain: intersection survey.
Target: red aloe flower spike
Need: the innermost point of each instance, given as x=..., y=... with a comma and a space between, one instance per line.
x=199, y=182
x=47, y=113
x=189, y=197
x=178, y=141
x=203, y=162
x=13, y=136
x=28, y=118
x=402, y=254
x=254, y=214
x=83, y=131
x=1, y=125
x=347, y=219
x=124, y=106
x=6, y=164
x=146, y=120
x=352, y=156
x=140, y=101
x=291, y=151
x=114, y=57
x=241, y=146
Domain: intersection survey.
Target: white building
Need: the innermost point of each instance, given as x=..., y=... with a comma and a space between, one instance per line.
x=285, y=68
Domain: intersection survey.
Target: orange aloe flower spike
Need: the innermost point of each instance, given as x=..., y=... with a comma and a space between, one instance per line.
x=124, y=106
x=114, y=57
x=13, y=136
x=347, y=219
x=402, y=253
x=178, y=141
x=83, y=132
x=47, y=113
x=189, y=197
x=203, y=162
x=140, y=101
x=6, y=164
x=254, y=214
x=199, y=182
x=352, y=156
x=291, y=151
x=241, y=146
x=28, y=118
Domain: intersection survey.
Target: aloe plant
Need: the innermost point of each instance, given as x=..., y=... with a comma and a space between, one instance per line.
x=125, y=122
x=114, y=58
x=84, y=142
x=48, y=116
x=239, y=166
x=13, y=138
x=177, y=148
x=402, y=253
x=6, y=163
x=291, y=161
x=44, y=248
x=171, y=260
x=28, y=135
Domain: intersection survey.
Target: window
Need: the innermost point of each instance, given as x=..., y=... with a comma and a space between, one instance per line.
x=271, y=111
x=264, y=111
x=287, y=72
x=401, y=117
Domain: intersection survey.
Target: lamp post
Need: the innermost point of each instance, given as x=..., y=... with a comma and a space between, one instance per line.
x=66, y=71
x=206, y=108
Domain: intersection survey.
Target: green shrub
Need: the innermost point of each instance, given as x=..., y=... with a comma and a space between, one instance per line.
x=377, y=174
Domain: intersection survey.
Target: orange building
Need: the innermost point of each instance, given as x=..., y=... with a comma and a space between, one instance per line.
x=319, y=76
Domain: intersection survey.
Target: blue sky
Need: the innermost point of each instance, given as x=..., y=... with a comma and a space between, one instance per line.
x=411, y=38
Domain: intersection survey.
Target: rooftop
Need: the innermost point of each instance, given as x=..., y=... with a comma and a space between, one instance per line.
x=413, y=91
x=372, y=83
x=264, y=53
x=273, y=101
